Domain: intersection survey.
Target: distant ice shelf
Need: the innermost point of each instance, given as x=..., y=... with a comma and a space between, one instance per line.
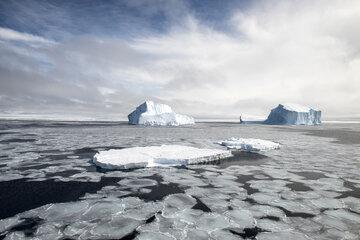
x=152, y=156
x=155, y=114
x=249, y=144
x=294, y=114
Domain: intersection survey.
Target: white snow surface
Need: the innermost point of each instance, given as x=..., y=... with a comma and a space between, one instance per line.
x=155, y=114
x=296, y=107
x=249, y=144
x=294, y=114
x=152, y=156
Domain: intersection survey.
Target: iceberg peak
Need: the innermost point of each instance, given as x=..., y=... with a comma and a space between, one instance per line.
x=295, y=107
x=157, y=114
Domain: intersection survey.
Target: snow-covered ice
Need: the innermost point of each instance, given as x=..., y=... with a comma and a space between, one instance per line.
x=152, y=156
x=241, y=218
x=177, y=202
x=249, y=144
x=282, y=235
x=294, y=114
x=155, y=114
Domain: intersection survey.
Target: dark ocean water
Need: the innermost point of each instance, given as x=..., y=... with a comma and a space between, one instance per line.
x=308, y=189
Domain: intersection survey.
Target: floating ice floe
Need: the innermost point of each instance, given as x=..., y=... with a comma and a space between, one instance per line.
x=294, y=114
x=154, y=114
x=151, y=156
x=249, y=144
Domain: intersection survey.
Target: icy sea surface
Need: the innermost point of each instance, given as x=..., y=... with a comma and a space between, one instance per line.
x=49, y=189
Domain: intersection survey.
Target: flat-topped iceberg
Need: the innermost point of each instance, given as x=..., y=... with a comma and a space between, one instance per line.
x=294, y=114
x=155, y=114
x=249, y=144
x=152, y=156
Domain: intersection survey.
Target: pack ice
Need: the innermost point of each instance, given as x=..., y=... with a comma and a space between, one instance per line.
x=151, y=156
x=155, y=114
x=249, y=144
x=294, y=114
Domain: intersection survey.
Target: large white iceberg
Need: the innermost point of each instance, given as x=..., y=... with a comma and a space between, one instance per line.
x=294, y=114
x=249, y=144
x=155, y=114
x=151, y=156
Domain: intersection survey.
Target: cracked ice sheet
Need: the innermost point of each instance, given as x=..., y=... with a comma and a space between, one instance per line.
x=282, y=236
x=210, y=196
x=261, y=211
x=326, y=203
x=241, y=218
x=273, y=226
x=283, y=165
x=212, y=221
x=218, y=193
x=173, y=227
x=177, y=202
x=344, y=215
x=148, y=235
x=136, y=183
x=275, y=200
x=183, y=178
x=89, y=219
x=153, y=156
x=326, y=184
x=269, y=185
x=335, y=227
x=352, y=203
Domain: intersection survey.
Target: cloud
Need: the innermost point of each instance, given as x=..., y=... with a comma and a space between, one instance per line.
x=9, y=34
x=287, y=51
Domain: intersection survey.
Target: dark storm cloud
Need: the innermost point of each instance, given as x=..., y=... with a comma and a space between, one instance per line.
x=61, y=19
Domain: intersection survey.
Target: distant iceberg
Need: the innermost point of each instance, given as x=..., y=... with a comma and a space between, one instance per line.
x=249, y=144
x=155, y=114
x=152, y=156
x=293, y=114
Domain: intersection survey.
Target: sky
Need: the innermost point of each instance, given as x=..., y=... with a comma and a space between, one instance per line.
x=84, y=59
